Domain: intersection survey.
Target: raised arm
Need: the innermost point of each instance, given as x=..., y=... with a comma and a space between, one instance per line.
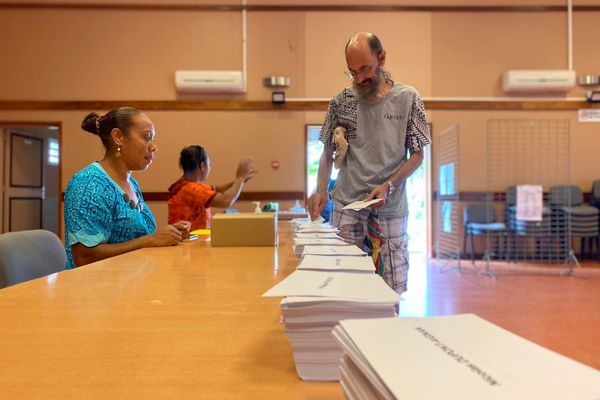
x=245, y=171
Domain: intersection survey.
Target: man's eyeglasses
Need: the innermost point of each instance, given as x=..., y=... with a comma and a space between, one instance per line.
x=363, y=71
x=352, y=74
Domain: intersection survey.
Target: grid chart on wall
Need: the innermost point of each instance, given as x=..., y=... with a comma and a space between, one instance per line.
x=447, y=244
x=526, y=215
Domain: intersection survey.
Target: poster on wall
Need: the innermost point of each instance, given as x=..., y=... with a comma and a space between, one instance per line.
x=529, y=202
x=589, y=115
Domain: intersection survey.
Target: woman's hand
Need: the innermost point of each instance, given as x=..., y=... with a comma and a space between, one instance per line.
x=167, y=236
x=246, y=169
x=184, y=228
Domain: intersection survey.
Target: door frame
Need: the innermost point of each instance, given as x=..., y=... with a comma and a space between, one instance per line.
x=4, y=124
x=427, y=160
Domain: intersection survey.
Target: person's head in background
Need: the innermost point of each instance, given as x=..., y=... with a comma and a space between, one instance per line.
x=195, y=163
x=127, y=135
x=365, y=58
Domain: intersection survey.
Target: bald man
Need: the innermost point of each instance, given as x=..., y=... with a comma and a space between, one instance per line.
x=385, y=123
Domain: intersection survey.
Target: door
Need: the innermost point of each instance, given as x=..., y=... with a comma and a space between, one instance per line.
x=23, y=181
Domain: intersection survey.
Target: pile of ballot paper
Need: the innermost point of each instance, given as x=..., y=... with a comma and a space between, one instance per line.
x=453, y=357
x=317, y=238
x=315, y=301
x=333, y=281
x=301, y=242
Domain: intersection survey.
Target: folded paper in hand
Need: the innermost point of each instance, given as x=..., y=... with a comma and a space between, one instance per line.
x=359, y=205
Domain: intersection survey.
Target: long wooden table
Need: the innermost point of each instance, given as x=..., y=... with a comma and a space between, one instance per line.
x=180, y=322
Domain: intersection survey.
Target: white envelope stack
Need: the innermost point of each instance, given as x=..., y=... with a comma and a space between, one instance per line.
x=316, y=300
x=301, y=242
x=453, y=357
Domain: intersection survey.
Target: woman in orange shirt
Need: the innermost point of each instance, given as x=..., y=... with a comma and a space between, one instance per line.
x=190, y=197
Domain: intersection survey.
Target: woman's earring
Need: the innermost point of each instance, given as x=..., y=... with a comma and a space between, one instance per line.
x=118, y=153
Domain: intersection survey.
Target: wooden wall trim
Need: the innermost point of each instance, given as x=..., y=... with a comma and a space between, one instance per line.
x=295, y=7
x=300, y=105
x=244, y=196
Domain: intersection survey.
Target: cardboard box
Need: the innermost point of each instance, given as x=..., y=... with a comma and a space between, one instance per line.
x=244, y=230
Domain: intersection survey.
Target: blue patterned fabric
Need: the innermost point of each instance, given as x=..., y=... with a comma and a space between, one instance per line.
x=95, y=212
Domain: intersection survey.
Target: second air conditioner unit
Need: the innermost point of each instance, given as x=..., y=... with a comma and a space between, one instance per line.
x=538, y=81
x=198, y=81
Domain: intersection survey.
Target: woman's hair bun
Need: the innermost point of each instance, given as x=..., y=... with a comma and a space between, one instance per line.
x=90, y=123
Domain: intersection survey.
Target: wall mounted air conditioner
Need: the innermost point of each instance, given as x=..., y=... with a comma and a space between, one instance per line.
x=538, y=81
x=195, y=81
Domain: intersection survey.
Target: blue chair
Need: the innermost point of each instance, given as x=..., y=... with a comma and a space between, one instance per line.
x=480, y=220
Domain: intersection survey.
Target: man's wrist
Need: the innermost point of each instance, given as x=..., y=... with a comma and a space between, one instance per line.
x=390, y=186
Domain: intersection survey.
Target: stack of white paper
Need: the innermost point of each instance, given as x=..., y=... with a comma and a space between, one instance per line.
x=301, y=242
x=297, y=222
x=310, y=235
x=314, y=303
x=454, y=357
x=305, y=225
x=337, y=264
x=333, y=250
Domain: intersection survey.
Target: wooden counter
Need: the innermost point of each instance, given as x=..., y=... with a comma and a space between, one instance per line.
x=183, y=322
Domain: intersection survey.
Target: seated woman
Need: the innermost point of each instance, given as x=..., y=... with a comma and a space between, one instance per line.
x=190, y=197
x=105, y=214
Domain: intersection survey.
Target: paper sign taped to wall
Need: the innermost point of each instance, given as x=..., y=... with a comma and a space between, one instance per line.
x=529, y=202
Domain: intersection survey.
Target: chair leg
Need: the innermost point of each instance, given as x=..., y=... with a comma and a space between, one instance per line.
x=497, y=247
x=472, y=249
x=465, y=242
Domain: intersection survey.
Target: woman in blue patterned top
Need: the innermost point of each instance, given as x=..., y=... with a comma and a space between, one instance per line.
x=105, y=214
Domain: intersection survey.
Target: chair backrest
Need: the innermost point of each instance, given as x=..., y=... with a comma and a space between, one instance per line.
x=566, y=195
x=479, y=213
x=511, y=196
x=28, y=255
x=595, y=199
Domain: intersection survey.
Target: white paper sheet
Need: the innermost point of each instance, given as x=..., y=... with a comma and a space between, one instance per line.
x=334, y=284
x=337, y=263
x=461, y=357
x=359, y=205
x=323, y=235
x=319, y=242
x=350, y=250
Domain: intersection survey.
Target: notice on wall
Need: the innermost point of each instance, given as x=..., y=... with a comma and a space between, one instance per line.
x=589, y=115
x=529, y=202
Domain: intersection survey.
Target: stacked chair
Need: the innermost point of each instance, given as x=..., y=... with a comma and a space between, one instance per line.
x=595, y=202
x=520, y=232
x=569, y=212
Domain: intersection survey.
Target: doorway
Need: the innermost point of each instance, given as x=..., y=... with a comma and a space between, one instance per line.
x=30, y=171
x=418, y=191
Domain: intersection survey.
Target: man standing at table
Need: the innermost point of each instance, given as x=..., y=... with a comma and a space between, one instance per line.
x=383, y=122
